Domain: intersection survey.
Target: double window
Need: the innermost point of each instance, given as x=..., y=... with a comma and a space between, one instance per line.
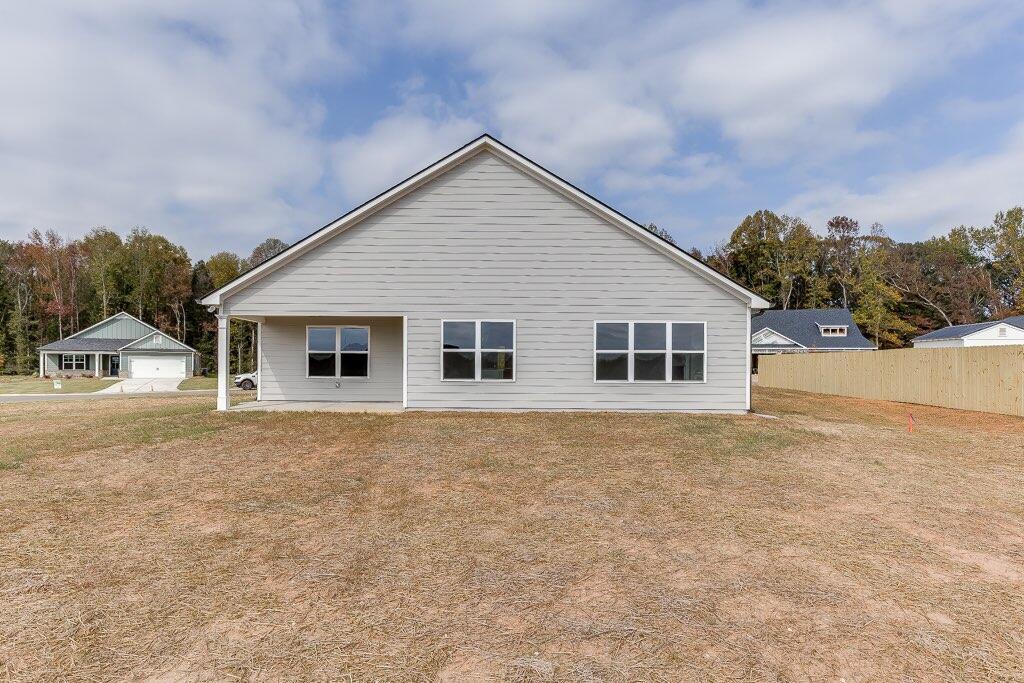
x=650, y=351
x=478, y=350
x=338, y=351
x=73, y=361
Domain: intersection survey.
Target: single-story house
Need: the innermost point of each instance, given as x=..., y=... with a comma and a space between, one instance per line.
x=810, y=330
x=992, y=333
x=485, y=281
x=120, y=346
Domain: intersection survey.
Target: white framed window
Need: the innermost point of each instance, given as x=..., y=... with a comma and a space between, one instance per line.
x=833, y=331
x=73, y=361
x=650, y=351
x=339, y=351
x=158, y=339
x=478, y=350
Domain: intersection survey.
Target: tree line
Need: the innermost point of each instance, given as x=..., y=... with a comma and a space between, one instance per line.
x=52, y=287
x=895, y=290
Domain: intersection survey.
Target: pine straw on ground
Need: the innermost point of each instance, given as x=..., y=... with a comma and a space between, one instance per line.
x=152, y=539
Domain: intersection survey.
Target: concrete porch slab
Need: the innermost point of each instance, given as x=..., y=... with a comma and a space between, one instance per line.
x=319, y=407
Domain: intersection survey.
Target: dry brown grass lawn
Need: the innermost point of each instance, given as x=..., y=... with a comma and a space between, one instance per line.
x=23, y=384
x=152, y=539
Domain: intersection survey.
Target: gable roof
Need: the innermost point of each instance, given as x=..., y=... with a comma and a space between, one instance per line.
x=961, y=331
x=119, y=314
x=77, y=342
x=86, y=344
x=522, y=163
x=803, y=327
x=789, y=343
x=173, y=344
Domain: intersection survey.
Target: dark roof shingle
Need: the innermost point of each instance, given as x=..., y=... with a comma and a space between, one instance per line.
x=86, y=344
x=802, y=327
x=960, y=331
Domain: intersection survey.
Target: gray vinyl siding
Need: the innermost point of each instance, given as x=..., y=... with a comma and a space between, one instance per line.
x=52, y=361
x=485, y=241
x=166, y=344
x=117, y=327
x=283, y=362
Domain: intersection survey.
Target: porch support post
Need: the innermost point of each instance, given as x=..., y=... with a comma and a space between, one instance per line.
x=99, y=366
x=42, y=363
x=223, y=366
x=259, y=361
x=405, y=361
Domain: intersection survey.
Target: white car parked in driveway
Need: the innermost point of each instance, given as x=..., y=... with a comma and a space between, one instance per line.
x=247, y=381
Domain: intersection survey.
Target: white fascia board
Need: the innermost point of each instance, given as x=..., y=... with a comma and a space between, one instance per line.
x=485, y=142
x=616, y=218
x=215, y=297
x=986, y=329
x=127, y=347
x=768, y=329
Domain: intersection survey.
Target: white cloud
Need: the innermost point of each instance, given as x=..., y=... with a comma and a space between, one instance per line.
x=202, y=120
x=601, y=85
x=918, y=204
x=184, y=116
x=690, y=174
x=404, y=141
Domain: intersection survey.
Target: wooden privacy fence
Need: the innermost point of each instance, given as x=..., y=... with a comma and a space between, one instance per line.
x=986, y=378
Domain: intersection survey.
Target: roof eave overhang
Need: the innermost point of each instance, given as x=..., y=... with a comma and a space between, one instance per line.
x=986, y=329
x=774, y=331
x=127, y=347
x=484, y=142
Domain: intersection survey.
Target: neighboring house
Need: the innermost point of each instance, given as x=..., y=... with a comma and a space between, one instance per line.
x=993, y=333
x=486, y=282
x=120, y=346
x=809, y=330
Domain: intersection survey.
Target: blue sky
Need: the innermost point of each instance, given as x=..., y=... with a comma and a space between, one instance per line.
x=220, y=124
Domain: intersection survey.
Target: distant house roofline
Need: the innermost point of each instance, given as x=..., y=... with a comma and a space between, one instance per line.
x=965, y=330
x=111, y=317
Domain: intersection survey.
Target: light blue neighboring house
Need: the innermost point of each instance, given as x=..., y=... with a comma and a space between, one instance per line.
x=120, y=346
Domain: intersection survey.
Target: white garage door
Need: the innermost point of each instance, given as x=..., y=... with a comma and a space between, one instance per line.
x=157, y=366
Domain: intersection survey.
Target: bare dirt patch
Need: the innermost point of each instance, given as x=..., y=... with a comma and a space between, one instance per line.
x=179, y=544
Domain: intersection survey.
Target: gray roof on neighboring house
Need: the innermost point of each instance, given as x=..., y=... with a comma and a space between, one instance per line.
x=960, y=331
x=86, y=344
x=802, y=327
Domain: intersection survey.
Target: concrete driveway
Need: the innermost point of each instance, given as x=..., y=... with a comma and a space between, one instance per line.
x=142, y=386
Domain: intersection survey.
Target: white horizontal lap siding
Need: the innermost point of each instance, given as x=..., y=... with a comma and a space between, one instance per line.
x=487, y=242
x=283, y=365
x=990, y=336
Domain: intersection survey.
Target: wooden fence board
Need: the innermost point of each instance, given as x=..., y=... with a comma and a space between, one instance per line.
x=986, y=378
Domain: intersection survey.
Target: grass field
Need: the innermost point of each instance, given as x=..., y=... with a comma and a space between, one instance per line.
x=192, y=383
x=22, y=384
x=174, y=543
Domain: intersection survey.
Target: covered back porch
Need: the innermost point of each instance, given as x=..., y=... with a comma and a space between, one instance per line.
x=345, y=363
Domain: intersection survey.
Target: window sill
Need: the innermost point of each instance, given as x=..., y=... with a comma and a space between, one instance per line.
x=479, y=381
